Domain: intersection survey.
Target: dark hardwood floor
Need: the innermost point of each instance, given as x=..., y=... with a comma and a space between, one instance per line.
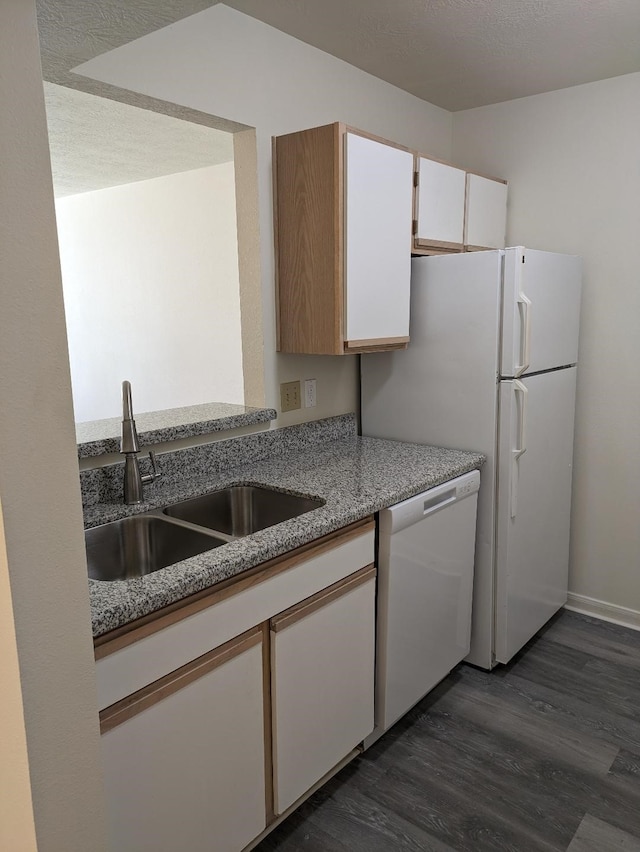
x=542, y=755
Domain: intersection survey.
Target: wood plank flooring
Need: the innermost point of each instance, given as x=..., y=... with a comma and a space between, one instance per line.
x=542, y=755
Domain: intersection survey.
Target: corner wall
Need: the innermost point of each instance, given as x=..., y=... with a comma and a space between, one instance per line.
x=17, y=827
x=225, y=63
x=39, y=489
x=571, y=158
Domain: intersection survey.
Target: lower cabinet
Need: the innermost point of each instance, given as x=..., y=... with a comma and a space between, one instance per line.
x=184, y=764
x=207, y=755
x=322, y=684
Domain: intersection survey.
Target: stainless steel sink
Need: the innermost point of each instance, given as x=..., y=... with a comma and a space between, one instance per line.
x=140, y=545
x=242, y=509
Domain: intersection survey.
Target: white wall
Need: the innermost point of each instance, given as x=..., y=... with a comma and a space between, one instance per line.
x=150, y=278
x=573, y=164
x=228, y=64
x=45, y=563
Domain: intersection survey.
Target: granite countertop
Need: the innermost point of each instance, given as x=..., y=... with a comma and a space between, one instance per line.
x=103, y=436
x=355, y=476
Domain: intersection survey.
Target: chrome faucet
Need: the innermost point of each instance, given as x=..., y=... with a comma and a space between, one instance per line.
x=130, y=447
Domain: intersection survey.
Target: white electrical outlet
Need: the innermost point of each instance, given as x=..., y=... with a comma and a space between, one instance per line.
x=309, y=393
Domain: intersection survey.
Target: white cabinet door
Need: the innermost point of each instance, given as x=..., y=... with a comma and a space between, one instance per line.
x=378, y=214
x=440, y=213
x=486, y=212
x=187, y=771
x=322, y=683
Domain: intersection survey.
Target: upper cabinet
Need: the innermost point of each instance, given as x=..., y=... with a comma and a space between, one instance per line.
x=349, y=210
x=456, y=210
x=343, y=210
x=439, y=206
x=485, y=213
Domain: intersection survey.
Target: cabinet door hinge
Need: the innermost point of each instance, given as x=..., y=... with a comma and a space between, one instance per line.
x=416, y=178
x=414, y=227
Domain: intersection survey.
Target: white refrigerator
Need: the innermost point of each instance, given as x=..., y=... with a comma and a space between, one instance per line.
x=491, y=366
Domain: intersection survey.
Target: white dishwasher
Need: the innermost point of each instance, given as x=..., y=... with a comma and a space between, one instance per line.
x=425, y=587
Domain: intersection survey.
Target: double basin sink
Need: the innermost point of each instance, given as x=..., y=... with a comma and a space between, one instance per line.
x=141, y=544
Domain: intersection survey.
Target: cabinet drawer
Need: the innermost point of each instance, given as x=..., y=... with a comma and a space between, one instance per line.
x=227, y=613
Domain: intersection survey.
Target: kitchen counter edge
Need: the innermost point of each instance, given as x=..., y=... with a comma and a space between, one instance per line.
x=356, y=477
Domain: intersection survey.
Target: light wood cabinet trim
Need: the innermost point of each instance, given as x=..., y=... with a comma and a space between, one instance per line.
x=419, y=156
x=339, y=236
x=276, y=238
x=326, y=596
x=383, y=344
x=268, y=723
x=480, y=248
x=375, y=341
x=484, y=175
x=366, y=135
x=422, y=251
x=352, y=349
x=128, y=634
x=149, y=695
x=441, y=244
x=356, y=752
x=308, y=194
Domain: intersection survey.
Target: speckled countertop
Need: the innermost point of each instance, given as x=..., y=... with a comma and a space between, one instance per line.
x=103, y=436
x=354, y=476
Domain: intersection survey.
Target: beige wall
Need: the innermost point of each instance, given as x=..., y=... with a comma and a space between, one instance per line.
x=39, y=490
x=17, y=828
x=150, y=279
x=572, y=161
x=228, y=64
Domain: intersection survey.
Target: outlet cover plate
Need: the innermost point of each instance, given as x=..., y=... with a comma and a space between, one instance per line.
x=289, y=396
x=309, y=393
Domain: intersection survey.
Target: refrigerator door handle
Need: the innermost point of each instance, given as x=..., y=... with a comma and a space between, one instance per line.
x=518, y=388
x=524, y=309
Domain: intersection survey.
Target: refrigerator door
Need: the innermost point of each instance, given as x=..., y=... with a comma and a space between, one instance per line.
x=541, y=311
x=535, y=450
x=443, y=390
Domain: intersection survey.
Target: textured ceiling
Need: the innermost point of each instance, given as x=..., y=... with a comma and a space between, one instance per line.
x=466, y=53
x=454, y=53
x=96, y=143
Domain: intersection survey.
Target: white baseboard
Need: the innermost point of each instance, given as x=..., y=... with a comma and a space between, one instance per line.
x=605, y=611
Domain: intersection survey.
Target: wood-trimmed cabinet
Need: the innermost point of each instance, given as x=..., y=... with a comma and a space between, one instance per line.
x=184, y=762
x=456, y=210
x=439, y=206
x=322, y=675
x=485, y=221
x=218, y=716
x=343, y=203
x=349, y=211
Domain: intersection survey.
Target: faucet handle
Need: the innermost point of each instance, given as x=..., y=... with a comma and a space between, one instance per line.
x=155, y=473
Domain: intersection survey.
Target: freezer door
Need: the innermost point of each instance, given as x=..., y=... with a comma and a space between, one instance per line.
x=541, y=311
x=534, y=503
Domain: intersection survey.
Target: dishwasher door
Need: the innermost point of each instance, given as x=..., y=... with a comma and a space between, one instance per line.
x=425, y=587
